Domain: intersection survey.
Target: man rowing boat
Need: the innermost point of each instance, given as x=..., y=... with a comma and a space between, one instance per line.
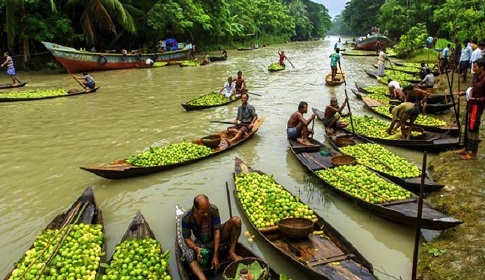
x=240, y=83
x=297, y=127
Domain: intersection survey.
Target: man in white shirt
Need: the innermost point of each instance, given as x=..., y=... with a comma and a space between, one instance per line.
x=476, y=54
x=149, y=61
x=393, y=85
x=229, y=88
x=466, y=53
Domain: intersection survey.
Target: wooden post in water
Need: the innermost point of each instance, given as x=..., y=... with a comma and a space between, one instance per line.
x=418, y=221
x=229, y=200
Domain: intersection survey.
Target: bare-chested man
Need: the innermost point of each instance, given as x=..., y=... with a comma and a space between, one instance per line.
x=297, y=127
x=240, y=83
x=330, y=117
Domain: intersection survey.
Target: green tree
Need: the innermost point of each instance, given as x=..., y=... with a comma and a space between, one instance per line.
x=359, y=14
x=340, y=27
x=318, y=15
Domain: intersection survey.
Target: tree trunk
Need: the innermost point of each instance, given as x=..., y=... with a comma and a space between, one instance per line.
x=26, y=50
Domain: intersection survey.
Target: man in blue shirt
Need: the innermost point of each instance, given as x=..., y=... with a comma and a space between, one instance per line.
x=466, y=54
x=445, y=54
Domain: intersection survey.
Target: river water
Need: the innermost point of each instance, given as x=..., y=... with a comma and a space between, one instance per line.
x=45, y=142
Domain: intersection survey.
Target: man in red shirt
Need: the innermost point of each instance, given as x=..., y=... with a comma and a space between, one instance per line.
x=282, y=57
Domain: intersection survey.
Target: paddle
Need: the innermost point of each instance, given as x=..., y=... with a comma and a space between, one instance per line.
x=348, y=107
x=248, y=92
x=229, y=200
x=343, y=76
x=290, y=62
x=224, y=122
x=76, y=79
x=390, y=62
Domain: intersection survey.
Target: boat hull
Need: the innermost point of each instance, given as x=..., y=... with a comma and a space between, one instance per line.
x=369, y=44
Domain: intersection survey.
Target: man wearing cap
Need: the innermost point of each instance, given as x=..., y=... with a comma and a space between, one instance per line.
x=400, y=115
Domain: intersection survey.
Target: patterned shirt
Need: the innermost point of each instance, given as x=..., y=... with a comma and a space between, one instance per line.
x=204, y=231
x=245, y=114
x=334, y=58
x=9, y=62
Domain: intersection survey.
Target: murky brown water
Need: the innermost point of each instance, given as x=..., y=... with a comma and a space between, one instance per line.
x=45, y=142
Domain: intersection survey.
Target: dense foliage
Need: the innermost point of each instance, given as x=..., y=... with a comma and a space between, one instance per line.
x=411, y=22
x=130, y=24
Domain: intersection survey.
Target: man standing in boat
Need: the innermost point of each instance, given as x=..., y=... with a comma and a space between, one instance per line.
x=204, y=222
x=10, y=67
x=334, y=59
x=297, y=127
x=282, y=57
x=240, y=83
x=244, y=121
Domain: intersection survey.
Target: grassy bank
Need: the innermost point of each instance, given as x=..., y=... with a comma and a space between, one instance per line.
x=458, y=253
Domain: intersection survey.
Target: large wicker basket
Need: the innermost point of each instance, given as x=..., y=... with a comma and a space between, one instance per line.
x=211, y=141
x=231, y=269
x=343, y=160
x=296, y=228
x=342, y=142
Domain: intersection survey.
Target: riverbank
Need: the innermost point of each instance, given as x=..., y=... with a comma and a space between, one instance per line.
x=458, y=253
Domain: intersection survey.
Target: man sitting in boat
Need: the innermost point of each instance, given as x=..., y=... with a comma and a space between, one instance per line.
x=240, y=83
x=297, y=127
x=330, y=117
x=400, y=115
x=244, y=121
x=204, y=222
x=229, y=88
x=149, y=61
x=428, y=80
x=282, y=57
x=224, y=53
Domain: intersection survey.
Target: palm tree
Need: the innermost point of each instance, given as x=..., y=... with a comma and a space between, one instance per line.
x=102, y=14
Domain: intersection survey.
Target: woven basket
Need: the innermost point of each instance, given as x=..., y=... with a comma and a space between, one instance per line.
x=211, y=141
x=231, y=269
x=342, y=142
x=296, y=228
x=343, y=160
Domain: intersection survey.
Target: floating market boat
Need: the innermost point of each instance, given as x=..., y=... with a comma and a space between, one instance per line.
x=370, y=42
x=410, y=183
x=218, y=58
x=140, y=230
x=186, y=273
x=324, y=253
x=426, y=141
x=339, y=79
x=5, y=86
x=383, y=110
x=84, y=211
x=384, y=79
x=432, y=98
x=407, y=70
x=84, y=61
x=245, y=49
x=274, y=67
x=199, y=102
x=121, y=169
x=154, y=65
x=28, y=96
x=402, y=209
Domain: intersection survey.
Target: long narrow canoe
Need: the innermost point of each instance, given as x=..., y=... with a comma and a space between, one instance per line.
x=184, y=271
x=429, y=141
x=191, y=107
x=120, y=169
x=85, y=211
x=412, y=71
x=218, y=58
x=339, y=79
x=139, y=229
x=370, y=42
x=403, y=211
x=275, y=67
x=5, y=86
x=411, y=184
x=432, y=99
x=245, y=49
x=324, y=254
x=373, y=105
x=4, y=96
x=384, y=81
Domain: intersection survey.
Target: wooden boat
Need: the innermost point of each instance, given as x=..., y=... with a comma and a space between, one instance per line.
x=84, y=210
x=339, y=79
x=323, y=256
x=403, y=211
x=79, y=61
x=370, y=42
x=120, y=169
x=414, y=72
x=68, y=94
x=5, y=86
x=218, y=58
x=149, y=66
x=451, y=130
x=384, y=79
x=410, y=184
x=139, y=229
x=429, y=141
x=358, y=53
x=274, y=67
x=432, y=99
x=189, y=107
x=245, y=49
x=183, y=268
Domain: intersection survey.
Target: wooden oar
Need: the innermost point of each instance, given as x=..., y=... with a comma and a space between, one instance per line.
x=342, y=73
x=248, y=92
x=390, y=62
x=229, y=200
x=290, y=62
x=76, y=79
x=348, y=107
x=224, y=122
